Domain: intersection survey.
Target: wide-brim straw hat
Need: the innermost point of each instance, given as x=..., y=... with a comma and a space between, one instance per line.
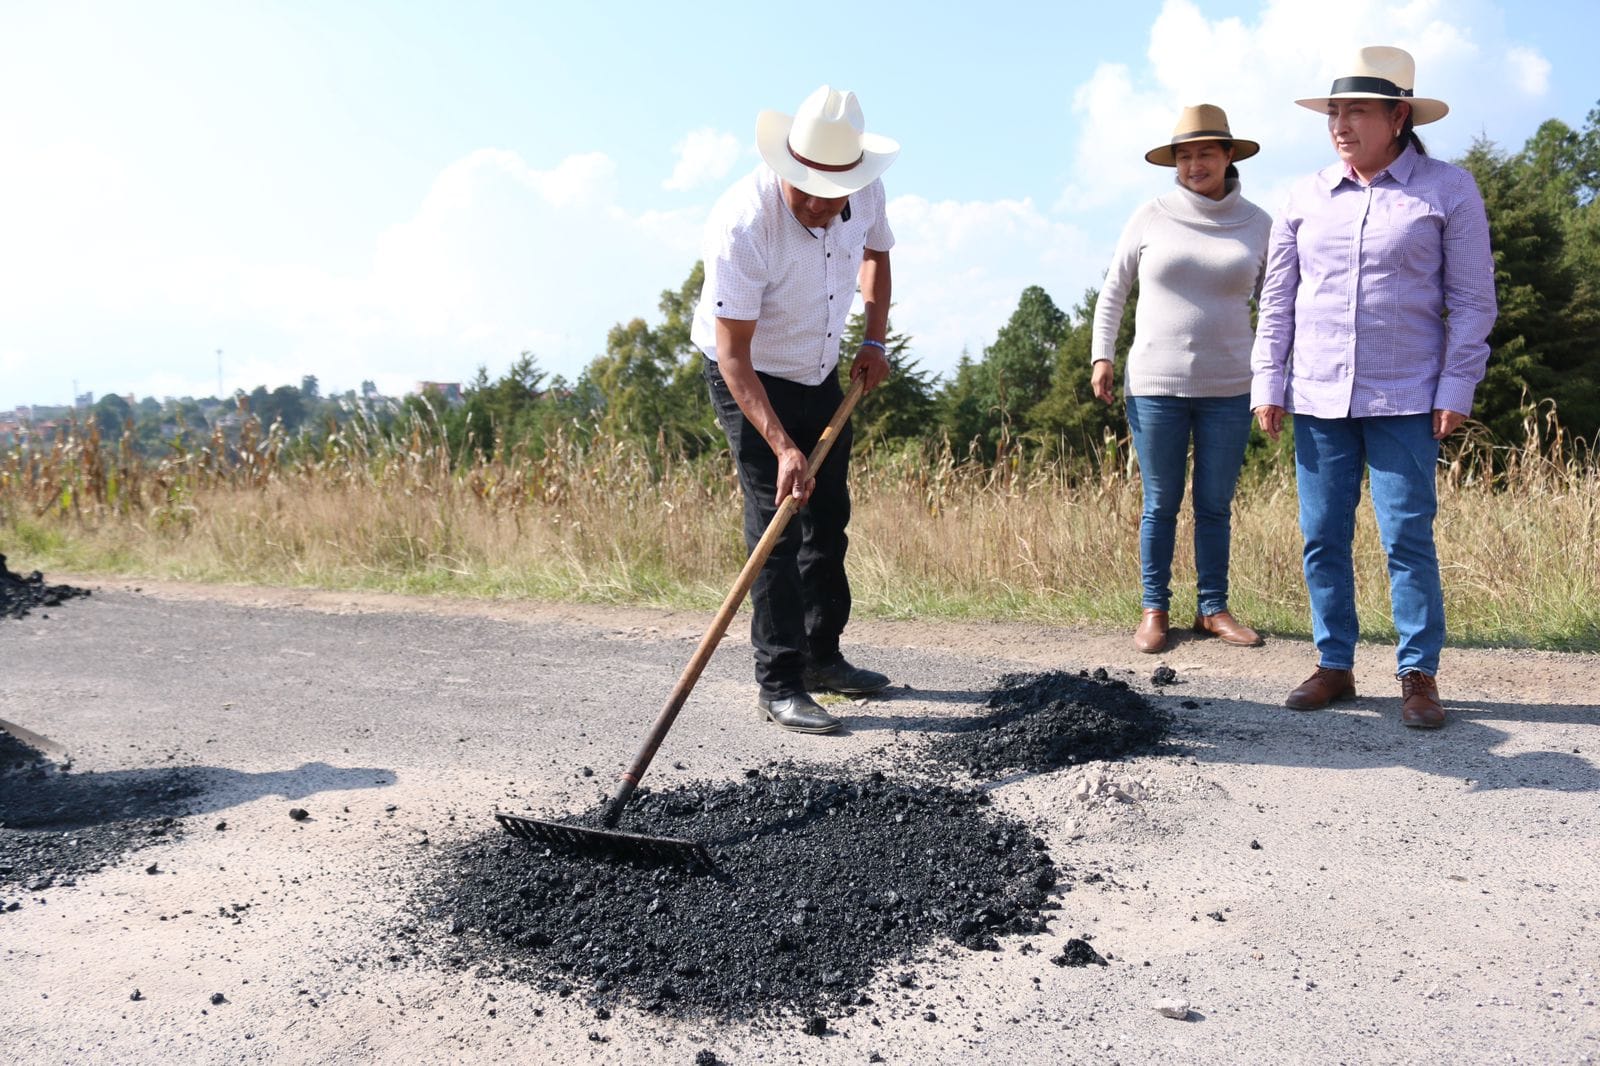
x=1380, y=72
x=824, y=149
x=1201, y=122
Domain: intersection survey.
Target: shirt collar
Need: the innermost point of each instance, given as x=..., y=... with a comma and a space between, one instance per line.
x=1400, y=170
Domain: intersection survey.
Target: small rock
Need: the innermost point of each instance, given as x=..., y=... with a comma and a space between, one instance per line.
x=299, y=814
x=929, y=1016
x=222, y=825
x=217, y=998
x=152, y=869
x=1077, y=952
x=1255, y=845
x=136, y=995
x=1175, y=1007
x=815, y=1025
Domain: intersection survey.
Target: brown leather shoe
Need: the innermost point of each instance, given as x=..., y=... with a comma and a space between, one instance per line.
x=1230, y=629
x=1322, y=688
x=1420, y=708
x=1151, y=636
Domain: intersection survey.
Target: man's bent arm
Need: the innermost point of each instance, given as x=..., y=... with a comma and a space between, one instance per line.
x=876, y=287
x=733, y=360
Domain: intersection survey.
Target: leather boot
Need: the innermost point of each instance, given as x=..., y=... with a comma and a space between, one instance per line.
x=798, y=714
x=839, y=676
x=1420, y=707
x=1230, y=629
x=1151, y=636
x=1321, y=689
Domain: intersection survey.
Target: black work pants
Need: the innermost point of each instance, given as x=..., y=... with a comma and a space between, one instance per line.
x=801, y=598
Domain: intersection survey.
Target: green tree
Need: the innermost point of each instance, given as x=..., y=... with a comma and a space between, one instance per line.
x=1544, y=340
x=1070, y=417
x=900, y=409
x=112, y=414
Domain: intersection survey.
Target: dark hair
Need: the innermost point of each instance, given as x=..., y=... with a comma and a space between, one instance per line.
x=1231, y=172
x=1408, y=135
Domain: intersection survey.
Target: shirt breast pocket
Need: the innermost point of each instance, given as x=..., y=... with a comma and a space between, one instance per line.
x=1413, y=235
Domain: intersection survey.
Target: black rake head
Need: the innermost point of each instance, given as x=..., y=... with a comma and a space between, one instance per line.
x=605, y=843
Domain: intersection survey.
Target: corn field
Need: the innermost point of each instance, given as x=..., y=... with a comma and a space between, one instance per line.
x=935, y=534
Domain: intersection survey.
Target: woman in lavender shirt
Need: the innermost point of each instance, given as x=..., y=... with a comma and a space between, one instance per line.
x=1374, y=320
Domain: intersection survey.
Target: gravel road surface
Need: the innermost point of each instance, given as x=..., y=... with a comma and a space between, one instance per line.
x=1293, y=887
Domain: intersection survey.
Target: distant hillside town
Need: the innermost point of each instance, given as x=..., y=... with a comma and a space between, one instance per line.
x=156, y=422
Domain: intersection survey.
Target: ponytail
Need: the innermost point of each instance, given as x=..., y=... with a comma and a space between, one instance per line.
x=1408, y=134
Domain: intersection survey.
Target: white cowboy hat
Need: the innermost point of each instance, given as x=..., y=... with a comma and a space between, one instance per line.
x=1382, y=73
x=1201, y=122
x=824, y=149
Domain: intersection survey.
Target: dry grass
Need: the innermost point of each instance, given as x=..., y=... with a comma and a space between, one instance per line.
x=608, y=521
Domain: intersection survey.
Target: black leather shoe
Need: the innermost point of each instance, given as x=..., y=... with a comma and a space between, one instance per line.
x=798, y=714
x=839, y=676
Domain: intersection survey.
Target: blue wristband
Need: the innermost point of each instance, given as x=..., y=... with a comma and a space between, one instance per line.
x=875, y=344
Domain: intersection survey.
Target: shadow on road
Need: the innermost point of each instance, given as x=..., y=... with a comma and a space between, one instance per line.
x=32, y=798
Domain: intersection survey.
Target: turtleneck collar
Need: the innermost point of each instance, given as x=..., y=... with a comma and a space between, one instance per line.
x=1233, y=209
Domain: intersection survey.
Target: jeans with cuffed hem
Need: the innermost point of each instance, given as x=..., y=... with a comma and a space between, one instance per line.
x=1162, y=428
x=1398, y=454
x=800, y=601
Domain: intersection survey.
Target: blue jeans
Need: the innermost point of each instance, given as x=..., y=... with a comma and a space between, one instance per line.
x=1330, y=456
x=1162, y=427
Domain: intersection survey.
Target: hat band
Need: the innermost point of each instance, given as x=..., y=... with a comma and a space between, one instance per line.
x=1203, y=135
x=1381, y=86
x=831, y=168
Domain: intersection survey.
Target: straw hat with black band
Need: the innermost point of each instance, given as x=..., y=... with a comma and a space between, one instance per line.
x=1201, y=122
x=1380, y=72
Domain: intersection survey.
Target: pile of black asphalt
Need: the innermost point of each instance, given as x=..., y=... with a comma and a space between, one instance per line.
x=56, y=825
x=821, y=884
x=818, y=883
x=1044, y=721
x=19, y=595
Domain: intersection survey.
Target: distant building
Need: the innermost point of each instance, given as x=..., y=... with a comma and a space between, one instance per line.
x=449, y=390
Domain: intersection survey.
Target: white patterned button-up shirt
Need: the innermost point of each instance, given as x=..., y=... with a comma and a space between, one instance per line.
x=796, y=283
x=1379, y=298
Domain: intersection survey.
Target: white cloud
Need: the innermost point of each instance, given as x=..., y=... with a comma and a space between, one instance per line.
x=1530, y=71
x=500, y=257
x=704, y=156
x=1255, y=70
x=960, y=267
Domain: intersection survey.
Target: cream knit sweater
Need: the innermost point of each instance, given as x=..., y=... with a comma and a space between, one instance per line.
x=1198, y=261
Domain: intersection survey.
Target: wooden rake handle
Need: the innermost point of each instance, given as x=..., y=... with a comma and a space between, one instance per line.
x=719, y=625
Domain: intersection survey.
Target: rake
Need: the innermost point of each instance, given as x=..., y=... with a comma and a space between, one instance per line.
x=606, y=839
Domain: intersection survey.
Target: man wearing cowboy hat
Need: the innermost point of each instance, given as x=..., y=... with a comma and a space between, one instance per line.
x=784, y=250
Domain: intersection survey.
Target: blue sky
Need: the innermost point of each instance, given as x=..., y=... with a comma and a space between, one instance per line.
x=406, y=191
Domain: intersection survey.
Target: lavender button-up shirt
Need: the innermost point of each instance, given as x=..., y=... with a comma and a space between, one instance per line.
x=1379, y=298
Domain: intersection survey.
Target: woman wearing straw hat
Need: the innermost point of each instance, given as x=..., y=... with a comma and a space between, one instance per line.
x=1197, y=252
x=1375, y=315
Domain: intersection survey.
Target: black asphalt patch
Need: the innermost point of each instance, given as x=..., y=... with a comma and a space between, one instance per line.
x=56, y=826
x=19, y=595
x=818, y=884
x=1044, y=721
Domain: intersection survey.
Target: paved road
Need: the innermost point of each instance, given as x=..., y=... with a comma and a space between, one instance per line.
x=1412, y=896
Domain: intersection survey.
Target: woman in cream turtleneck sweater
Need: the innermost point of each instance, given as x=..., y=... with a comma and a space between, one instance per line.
x=1197, y=253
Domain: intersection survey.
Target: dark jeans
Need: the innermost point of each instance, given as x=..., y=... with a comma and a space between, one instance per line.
x=801, y=599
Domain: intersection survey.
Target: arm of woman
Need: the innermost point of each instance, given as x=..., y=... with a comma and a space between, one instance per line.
x=1269, y=358
x=1120, y=276
x=1469, y=297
